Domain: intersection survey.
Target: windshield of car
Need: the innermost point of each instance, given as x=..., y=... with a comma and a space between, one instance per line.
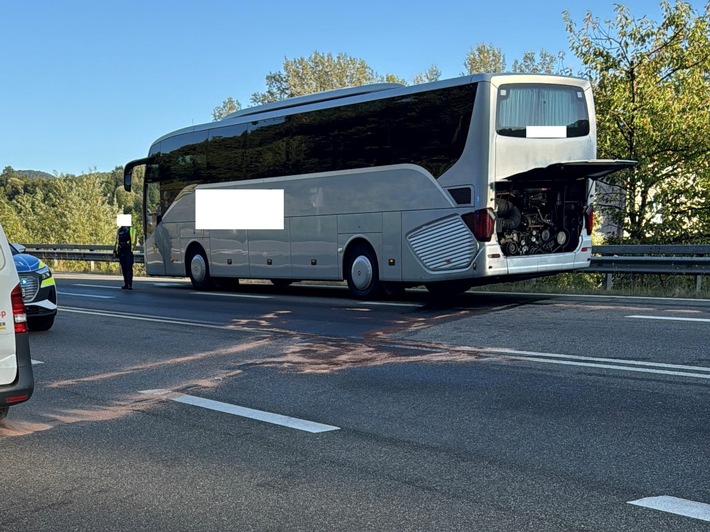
x=14, y=250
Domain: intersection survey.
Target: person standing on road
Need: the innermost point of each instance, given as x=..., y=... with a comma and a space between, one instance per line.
x=125, y=244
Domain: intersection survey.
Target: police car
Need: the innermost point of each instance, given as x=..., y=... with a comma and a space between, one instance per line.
x=16, y=378
x=39, y=291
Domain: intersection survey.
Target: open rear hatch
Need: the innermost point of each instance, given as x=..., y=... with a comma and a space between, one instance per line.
x=572, y=171
x=544, y=210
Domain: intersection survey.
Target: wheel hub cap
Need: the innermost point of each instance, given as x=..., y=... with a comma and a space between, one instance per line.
x=361, y=272
x=198, y=268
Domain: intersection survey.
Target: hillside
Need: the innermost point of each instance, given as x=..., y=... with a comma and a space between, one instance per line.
x=34, y=174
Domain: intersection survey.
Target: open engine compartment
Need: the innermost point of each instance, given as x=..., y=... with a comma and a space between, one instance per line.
x=539, y=217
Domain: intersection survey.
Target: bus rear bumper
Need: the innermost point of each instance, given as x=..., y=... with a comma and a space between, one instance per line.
x=491, y=262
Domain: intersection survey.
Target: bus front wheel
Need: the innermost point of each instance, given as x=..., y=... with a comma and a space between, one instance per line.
x=199, y=271
x=362, y=273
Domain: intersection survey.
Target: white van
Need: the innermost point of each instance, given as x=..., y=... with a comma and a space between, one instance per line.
x=16, y=378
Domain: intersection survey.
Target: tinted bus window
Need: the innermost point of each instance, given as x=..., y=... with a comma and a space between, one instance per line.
x=428, y=129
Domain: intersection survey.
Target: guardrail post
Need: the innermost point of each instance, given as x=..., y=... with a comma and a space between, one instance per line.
x=609, y=281
x=698, y=282
x=91, y=266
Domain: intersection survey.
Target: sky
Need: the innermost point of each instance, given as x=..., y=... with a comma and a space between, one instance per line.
x=88, y=85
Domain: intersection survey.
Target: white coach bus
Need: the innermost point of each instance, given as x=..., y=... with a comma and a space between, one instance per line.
x=474, y=180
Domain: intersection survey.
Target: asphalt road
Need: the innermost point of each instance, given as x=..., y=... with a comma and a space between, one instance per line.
x=301, y=409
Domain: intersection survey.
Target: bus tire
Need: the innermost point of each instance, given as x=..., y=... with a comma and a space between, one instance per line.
x=362, y=273
x=199, y=270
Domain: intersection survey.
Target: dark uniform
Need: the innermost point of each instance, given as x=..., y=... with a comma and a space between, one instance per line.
x=125, y=244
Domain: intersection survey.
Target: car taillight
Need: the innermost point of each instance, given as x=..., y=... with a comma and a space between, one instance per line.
x=18, y=310
x=481, y=223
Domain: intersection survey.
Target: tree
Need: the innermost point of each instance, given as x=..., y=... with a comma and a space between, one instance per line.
x=488, y=58
x=546, y=64
x=393, y=78
x=320, y=72
x=484, y=58
x=652, y=92
x=81, y=212
x=430, y=74
x=230, y=105
x=12, y=223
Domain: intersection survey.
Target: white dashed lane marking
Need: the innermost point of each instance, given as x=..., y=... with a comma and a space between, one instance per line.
x=675, y=505
x=93, y=296
x=250, y=413
x=670, y=318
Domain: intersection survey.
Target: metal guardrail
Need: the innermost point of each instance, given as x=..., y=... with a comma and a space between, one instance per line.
x=654, y=259
x=80, y=252
x=608, y=259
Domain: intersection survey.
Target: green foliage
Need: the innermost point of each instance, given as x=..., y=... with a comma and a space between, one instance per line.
x=652, y=92
x=230, y=105
x=487, y=58
x=64, y=210
x=545, y=64
x=484, y=58
x=430, y=74
x=318, y=73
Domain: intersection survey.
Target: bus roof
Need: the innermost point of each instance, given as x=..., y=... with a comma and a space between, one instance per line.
x=350, y=95
x=314, y=98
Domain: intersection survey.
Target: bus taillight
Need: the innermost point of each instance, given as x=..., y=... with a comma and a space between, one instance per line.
x=18, y=310
x=481, y=223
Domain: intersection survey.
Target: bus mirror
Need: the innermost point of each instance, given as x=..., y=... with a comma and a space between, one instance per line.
x=128, y=171
x=127, y=177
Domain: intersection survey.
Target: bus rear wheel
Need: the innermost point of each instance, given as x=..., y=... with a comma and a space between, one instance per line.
x=199, y=271
x=362, y=273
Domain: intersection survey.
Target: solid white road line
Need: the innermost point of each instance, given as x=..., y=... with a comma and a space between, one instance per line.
x=669, y=318
x=589, y=296
x=259, y=415
x=156, y=319
x=534, y=354
x=618, y=368
x=390, y=304
x=222, y=294
x=594, y=362
x=674, y=505
x=97, y=286
x=85, y=295
x=36, y=362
